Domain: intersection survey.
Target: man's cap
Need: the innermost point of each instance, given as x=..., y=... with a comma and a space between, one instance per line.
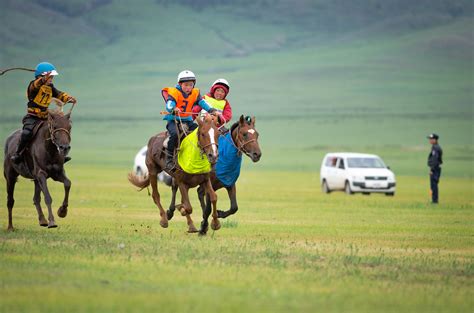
x=433, y=136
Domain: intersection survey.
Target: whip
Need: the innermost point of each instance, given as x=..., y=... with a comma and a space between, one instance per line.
x=16, y=68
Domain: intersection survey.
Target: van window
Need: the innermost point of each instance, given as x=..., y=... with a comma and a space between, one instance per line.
x=341, y=164
x=331, y=162
x=365, y=162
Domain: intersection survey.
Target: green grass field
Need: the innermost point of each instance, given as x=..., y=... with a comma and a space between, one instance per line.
x=289, y=247
x=320, y=76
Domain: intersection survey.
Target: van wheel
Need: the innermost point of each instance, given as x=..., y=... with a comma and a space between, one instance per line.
x=325, y=187
x=390, y=194
x=347, y=189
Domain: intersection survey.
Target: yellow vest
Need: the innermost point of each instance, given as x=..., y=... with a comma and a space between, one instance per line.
x=216, y=104
x=189, y=157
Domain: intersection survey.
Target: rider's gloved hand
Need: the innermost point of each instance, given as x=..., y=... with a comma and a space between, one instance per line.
x=176, y=111
x=71, y=99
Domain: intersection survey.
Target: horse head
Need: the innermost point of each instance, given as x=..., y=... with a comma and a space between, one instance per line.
x=59, y=125
x=208, y=135
x=246, y=138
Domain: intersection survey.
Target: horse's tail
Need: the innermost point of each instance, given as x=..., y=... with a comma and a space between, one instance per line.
x=139, y=181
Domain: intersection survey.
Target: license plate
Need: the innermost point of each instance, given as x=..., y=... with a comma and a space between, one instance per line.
x=376, y=185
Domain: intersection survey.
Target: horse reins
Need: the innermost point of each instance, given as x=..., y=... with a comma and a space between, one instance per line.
x=201, y=149
x=52, y=131
x=241, y=147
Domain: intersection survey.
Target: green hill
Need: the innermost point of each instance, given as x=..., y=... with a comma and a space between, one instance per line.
x=319, y=75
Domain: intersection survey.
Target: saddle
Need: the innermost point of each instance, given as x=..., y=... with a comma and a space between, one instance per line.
x=35, y=130
x=181, y=134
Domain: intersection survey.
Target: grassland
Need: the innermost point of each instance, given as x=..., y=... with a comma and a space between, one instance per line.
x=377, y=87
x=289, y=247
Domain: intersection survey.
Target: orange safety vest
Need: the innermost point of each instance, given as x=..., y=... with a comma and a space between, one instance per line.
x=184, y=103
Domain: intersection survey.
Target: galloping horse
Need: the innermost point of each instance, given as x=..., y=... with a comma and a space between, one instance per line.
x=207, y=136
x=241, y=139
x=43, y=159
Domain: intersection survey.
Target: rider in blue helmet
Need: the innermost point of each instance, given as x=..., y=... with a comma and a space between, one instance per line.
x=40, y=91
x=43, y=68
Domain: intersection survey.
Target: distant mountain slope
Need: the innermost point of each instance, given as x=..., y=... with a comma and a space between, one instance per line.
x=115, y=31
x=338, y=15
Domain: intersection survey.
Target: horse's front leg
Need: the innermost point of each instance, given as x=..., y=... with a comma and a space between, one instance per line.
x=41, y=178
x=62, y=211
x=170, y=212
x=37, y=202
x=186, y=208
x=232, y=192
x=206, y=208
x=212, y=196
x=11, y=177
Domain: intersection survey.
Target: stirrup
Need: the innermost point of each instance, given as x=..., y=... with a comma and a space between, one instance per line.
x=171, y=167
x=170, y=163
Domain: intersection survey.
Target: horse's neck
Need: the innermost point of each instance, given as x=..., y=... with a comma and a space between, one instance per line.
x=233, y=136
x=43, y=136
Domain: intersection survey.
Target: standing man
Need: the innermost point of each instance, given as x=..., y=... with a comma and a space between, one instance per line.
x=435, y=159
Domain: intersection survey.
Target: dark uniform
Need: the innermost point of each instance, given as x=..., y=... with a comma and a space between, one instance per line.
x=435, y=159
x=39, y=99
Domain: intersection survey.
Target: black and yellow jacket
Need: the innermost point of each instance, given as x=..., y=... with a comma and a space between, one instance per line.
x=39, y=97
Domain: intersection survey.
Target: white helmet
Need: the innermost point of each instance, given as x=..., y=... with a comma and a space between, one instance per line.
x=222, y=81
x=186, y=76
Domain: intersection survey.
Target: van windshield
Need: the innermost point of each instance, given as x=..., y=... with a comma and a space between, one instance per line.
x=365, y=163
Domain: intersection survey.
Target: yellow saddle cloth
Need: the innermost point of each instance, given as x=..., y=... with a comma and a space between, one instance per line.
x=189, y=157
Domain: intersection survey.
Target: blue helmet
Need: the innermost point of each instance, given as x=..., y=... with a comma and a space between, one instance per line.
x=45, y=67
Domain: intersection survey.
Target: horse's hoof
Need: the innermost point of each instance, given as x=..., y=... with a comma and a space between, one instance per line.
x=164, y=224
x=203, y=232
x=52, y=225
x=215, y=225
x=169, y=214
x=192, y=229
x=10, y=229
x=43, y=222
x=62, y=211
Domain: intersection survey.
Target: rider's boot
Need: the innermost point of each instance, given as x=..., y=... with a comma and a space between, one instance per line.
x=170, y=164
x=17, y=157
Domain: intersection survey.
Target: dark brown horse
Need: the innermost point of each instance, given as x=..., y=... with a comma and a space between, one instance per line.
x=242, y=139
x=156, y=162
x=43, y=159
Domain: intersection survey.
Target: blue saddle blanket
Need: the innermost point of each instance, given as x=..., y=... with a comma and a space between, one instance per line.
x=229, y=161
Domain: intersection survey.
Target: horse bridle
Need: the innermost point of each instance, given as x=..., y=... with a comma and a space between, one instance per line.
x=241, y=146
x=52, y=131
x=201, y=149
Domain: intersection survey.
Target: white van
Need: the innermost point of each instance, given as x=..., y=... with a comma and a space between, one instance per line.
x=140, y=168
x=356, y=172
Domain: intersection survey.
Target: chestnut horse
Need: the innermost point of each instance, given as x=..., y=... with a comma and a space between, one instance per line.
x=43, y=159
x=241, y=139
x=207, y=134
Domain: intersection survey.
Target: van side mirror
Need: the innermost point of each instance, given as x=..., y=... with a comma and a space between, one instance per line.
x=388, y=167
